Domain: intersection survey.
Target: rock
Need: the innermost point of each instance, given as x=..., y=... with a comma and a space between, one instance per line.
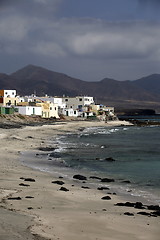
x=144, y=213
x=126, y=204
x=128, y=214
x=58, y=182
x=85, y=187
x=64, y=189
x=153, y=207
x=107, y=180
x=103, y=188
x=46, y=149
x=14, y=198
x=126, y=181
x=110, y=159
x=79, y=177
x=156, y=213
x=129, y=204
x=23, y=184
x=139, y=205
x=106, y=198
x=120, y=204
x=94, y=177
x=30, y=208
x=29, y=180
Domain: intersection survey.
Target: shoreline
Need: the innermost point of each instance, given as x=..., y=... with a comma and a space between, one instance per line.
x=75, y=214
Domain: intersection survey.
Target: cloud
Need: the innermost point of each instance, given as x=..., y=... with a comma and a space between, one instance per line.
x=150, y=4
x=30, y=30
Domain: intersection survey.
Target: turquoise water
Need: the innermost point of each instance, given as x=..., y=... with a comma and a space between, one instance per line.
x=136, y=151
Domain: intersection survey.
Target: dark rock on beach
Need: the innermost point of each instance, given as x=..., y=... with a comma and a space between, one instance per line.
x=126, y=181
x=103, y=188
x=139, y=205
x=107, y=180
x=46, y=149
x=79, y=177
x=14, y=198
x=128, y=214
x=126, y=204
x=110, y=159
x=29, y=197
x=154, y=207
x=64, y=189
x=58, y=182
x=85, y=187
x=24, y=185
x=144, y=213
x=29, y=180
x=106, y=198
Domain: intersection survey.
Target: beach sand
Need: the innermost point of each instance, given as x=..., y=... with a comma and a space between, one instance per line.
x=36, y=209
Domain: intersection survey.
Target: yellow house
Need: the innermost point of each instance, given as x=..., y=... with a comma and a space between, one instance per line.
x=49, y=109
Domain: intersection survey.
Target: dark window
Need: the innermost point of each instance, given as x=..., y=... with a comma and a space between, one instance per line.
x=80, y=99
x=66, y=100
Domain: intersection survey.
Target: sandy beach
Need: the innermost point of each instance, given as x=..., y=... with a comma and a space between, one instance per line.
x=33, y=207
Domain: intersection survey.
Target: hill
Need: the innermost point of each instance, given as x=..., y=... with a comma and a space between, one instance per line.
x=141, y=93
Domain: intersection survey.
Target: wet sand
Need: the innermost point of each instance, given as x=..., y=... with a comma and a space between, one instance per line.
x=32, y=207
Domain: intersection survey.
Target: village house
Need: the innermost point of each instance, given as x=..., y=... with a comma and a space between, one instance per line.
x=8, y=98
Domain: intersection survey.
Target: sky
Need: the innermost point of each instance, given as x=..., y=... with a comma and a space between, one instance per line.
x=86, y=39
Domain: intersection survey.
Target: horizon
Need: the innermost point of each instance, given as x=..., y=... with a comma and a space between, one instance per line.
x=87, y=39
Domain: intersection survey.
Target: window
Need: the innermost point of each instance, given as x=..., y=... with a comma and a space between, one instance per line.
x=50, y=108
x=80, y=99
x=74, y=112
x=66, y=100
x=55, y=108
x=12, y=93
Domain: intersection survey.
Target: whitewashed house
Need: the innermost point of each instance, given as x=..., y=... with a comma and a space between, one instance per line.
x=78, y=102
x=29, y=110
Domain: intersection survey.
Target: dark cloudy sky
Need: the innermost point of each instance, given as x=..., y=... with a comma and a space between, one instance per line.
x=86, y=39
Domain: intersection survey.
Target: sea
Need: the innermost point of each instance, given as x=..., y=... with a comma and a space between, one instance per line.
x=134, y=151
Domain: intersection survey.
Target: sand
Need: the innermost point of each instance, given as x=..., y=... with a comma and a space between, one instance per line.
x=45, y=212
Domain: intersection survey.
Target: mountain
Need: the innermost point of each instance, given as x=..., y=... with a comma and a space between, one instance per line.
x=141, y=93
x=150, y=83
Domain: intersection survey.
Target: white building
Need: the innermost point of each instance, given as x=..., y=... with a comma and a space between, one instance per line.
x=77, y=103
x=29, y=110
x=69, y=112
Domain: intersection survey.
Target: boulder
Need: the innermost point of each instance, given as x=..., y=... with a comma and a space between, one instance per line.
x=110, y=159
x=103, y=188
x=64, y=189
x=106, y=198
x=107, y=180
x=58, y=182
x=79, y=177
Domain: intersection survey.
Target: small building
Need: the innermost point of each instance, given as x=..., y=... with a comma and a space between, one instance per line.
x=69, y=112
x=77, y=103
x=29, y=110
x=8, y=98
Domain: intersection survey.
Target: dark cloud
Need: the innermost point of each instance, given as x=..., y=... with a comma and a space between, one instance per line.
x=150, y=3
